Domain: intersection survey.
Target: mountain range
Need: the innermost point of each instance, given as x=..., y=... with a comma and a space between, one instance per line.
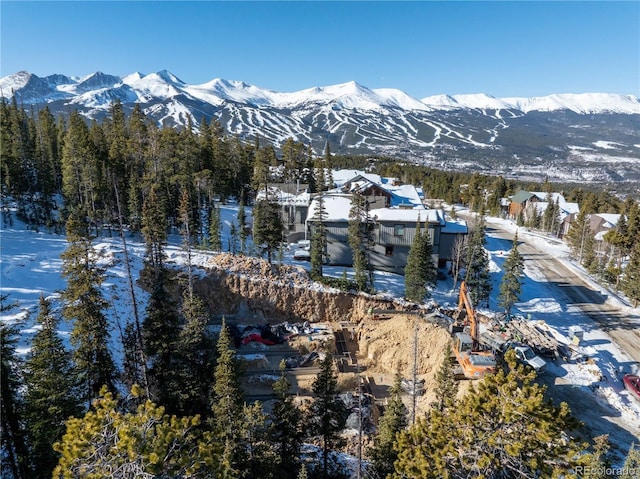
x=590, y=137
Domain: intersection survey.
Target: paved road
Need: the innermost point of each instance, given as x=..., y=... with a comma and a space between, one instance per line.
x=621, y=327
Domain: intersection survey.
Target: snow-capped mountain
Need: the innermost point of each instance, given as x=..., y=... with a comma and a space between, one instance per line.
x=31, y=89
x=547, y=135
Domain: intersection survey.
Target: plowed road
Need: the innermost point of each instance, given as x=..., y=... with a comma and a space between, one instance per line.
x=620, y=325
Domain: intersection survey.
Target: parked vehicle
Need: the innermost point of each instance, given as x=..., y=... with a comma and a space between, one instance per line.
x=632, y=384
x=302, y=255
x=525, y=355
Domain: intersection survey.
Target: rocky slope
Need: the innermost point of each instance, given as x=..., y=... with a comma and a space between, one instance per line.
x=252, y=288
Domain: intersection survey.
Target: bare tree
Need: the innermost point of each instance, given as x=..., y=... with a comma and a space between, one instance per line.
x=457, y=258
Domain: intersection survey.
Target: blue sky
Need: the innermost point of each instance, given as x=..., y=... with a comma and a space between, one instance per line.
x=423, y=48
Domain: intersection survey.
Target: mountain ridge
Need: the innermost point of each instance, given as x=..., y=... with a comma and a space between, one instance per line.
x=588, y=137
x=345, y=93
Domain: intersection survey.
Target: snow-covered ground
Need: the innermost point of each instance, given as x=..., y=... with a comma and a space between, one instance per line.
x=30, y=265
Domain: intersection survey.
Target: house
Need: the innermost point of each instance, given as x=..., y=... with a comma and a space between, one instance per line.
x=528, y=202
x=294, y=199
x=395, y=210
x=519, y=203
x=601, y=223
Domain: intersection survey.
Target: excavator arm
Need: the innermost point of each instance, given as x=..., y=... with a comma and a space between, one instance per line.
x=466, y=303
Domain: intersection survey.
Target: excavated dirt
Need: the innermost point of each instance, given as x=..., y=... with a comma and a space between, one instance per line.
x=251, y=288
x=387, y=347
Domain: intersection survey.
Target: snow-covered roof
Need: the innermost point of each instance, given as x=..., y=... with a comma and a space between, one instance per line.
x=408, y=215
x=336, y=207
x=611, y=219
x=404, y=195
x=340, y=177
x=567, y=207
x=284, y=198
x=541, y=207
x=399, y=195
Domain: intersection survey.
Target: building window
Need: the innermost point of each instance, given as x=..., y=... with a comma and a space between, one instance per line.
x=388, y=251
x=398, y=230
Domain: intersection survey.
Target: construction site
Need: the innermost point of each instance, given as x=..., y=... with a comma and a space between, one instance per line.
x=278, y=316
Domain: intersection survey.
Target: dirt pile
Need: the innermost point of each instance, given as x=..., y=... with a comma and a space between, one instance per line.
x=387, y=347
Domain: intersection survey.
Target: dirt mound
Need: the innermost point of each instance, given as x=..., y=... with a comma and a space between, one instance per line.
x=387, y=347
x=259, y=268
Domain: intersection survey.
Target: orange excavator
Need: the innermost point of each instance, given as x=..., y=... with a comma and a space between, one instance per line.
x=474, y=362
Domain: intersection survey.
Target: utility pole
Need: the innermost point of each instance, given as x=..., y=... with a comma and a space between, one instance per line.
x=359, y=391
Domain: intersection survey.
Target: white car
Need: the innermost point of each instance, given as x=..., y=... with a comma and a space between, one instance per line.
x=525, y=355
x=302, y=255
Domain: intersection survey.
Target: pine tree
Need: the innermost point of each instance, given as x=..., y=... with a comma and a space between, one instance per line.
x=328, y=167
x=446, y=383
x=79, y=166
x=195, y=358
x=215, y=241
x=50, y=395
x=146, y=443
x=420, y=271
x=233, y=239
x=84, y=305
x=267, y=226
x=498, y=191
x=154, y=230
x=511, y=284
x=134, y=364
x=286, y=428
x=589, y=258
x=161, y=325
x=49, y=175
x=318, y=238
x=359, y=238
x=14, y=458
x=293, y=159
x=631, y=279
x=504, y=427
x=534, y=221
x=556, y=219
x=548, y=217
x=631, y=464
x=577, y=233
x=320, y=175
x=160, y=332
x=414, y=281
x=261, y=163
x=477, y=262
x=328, y=413
x=393, y=421
x=260, y=456
x=227, y=405
x=595, y=463
x=303, y=472
x=187, y=233
x=242, y=224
